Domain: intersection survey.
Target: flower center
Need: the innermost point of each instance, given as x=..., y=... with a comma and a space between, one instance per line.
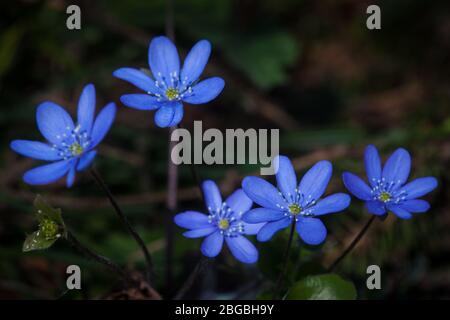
x=295, y=209
x=49, y=229
x=224, y=224
x=76, y=149
x=384, y=196
x=172, y=93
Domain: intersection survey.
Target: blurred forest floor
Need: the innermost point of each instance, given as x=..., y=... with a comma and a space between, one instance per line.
x=310, y=68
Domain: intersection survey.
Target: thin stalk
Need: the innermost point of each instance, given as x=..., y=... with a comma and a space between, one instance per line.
x=125, y=222
x=353, y=244
x=198, y=270
x=279, y=282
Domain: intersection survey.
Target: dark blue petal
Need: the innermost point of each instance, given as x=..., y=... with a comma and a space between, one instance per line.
x=165, y=115
x=397, y=167
x=103, y=123
x=198, y=233
x=163, y=60
x=137, y=78
x=195, y=61
x=178, y=114
x=334, y=203
x=311, y=230
x=86, y=160
x=86, y=108
x=35, y=149
x=376, y=207
x=373, y=165
x=315, y=181
x=262, y=215
x=286, y=178
x=242, y=249
x=415, y=205
x=211, y=193
x=71, y=175
x=252, y=228
x=239, y=202
x=419, y=187
x=357, y=186
x=140, y=101
x=53, y=122
x=205, y=90
x=266, y=233
x=192, y=220
x=212, y=245
x=263, y=193
x=399, y=211
x=47, y=173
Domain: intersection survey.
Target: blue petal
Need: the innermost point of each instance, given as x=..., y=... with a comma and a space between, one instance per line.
x=266, y=233
x=198, y=233
x=311, y=230
x=137, y=78
x=47, y=173
x=263, y=215
x=103, y=123
x=397, y=167
x=419, y=187
x=211, y=193
x=415, y=205
x=376, y=207
x=357, y=186
x=239, y=202
x=263, y=193
x=373, y=165
x=165, y=115
x=140, y=101
x=252, y=228
x=242, y=249
x=86, y=160
x=163, y=60
x=53, y=122
x=286, y=178
x=195, y=61
x=334, y=203
x=178, y=114
x=315, y=181
x=86, y=108
x=35, y=149
x=205, y=90
x=399, y=211
x=212, y=245
x=192, y=220
x=71, y=175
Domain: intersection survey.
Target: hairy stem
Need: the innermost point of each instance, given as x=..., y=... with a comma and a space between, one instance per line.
x=279, y=282
x=353, y=244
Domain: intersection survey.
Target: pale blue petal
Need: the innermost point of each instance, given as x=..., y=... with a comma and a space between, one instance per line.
x=252, y=228
x=165, y=115
x=140, y=101
x=419, y=187
x=357, y=186
x=373, y=165
x=397, y=167
x=195, y=61
x=315, y=181
x=212, y=245
x=178, y=113
x=103, y=123
x=71, y=175
x=269, y=229
x=239, y=202
x=263, y=193
x=35, y=149
x=211, y=194
x=48, y=173
x=163, y=59
x=311, y=230
x=286, y=178
x=399, y=211
x=198, y=233
x=415, y=205
x=86, y=108
x=242, y=249
x=137, y=78
x=205, y=91
x=333, y=203
x=263, y=215
x=53, y=122
x=376, y=207
x=86, y=160
x=192, y=220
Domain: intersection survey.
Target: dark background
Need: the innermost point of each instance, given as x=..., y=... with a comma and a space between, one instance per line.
x=310, y=68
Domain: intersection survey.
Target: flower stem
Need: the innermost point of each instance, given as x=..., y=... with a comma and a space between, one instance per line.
x=125, y=222
x=353, y=244
x=94, y=256
x=198, y=270
x=279, y=282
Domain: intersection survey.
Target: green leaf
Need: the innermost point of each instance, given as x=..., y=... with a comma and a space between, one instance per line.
x=44, y=211
x=37, y=241
x=322, y=287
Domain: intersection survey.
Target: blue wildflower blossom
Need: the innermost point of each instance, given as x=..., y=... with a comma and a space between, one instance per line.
x=222, y=223
x=70, y=146
x=171, y=86
x=387, y=190
x=291, y=201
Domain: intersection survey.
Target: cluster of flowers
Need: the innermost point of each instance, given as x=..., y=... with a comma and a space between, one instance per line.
x=72, y=147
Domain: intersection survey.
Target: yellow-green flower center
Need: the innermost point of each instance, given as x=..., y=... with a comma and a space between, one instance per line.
x=76, y=149
x=172, y=93
x=224, y=224
x=385, y=196
x=295, y=209
x=49, y=229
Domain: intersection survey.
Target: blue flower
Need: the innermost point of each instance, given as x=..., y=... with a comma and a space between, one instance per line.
x=223, y=222
x=171, y=86
x=281, y=206
x=387, y=190
x=71, y=147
